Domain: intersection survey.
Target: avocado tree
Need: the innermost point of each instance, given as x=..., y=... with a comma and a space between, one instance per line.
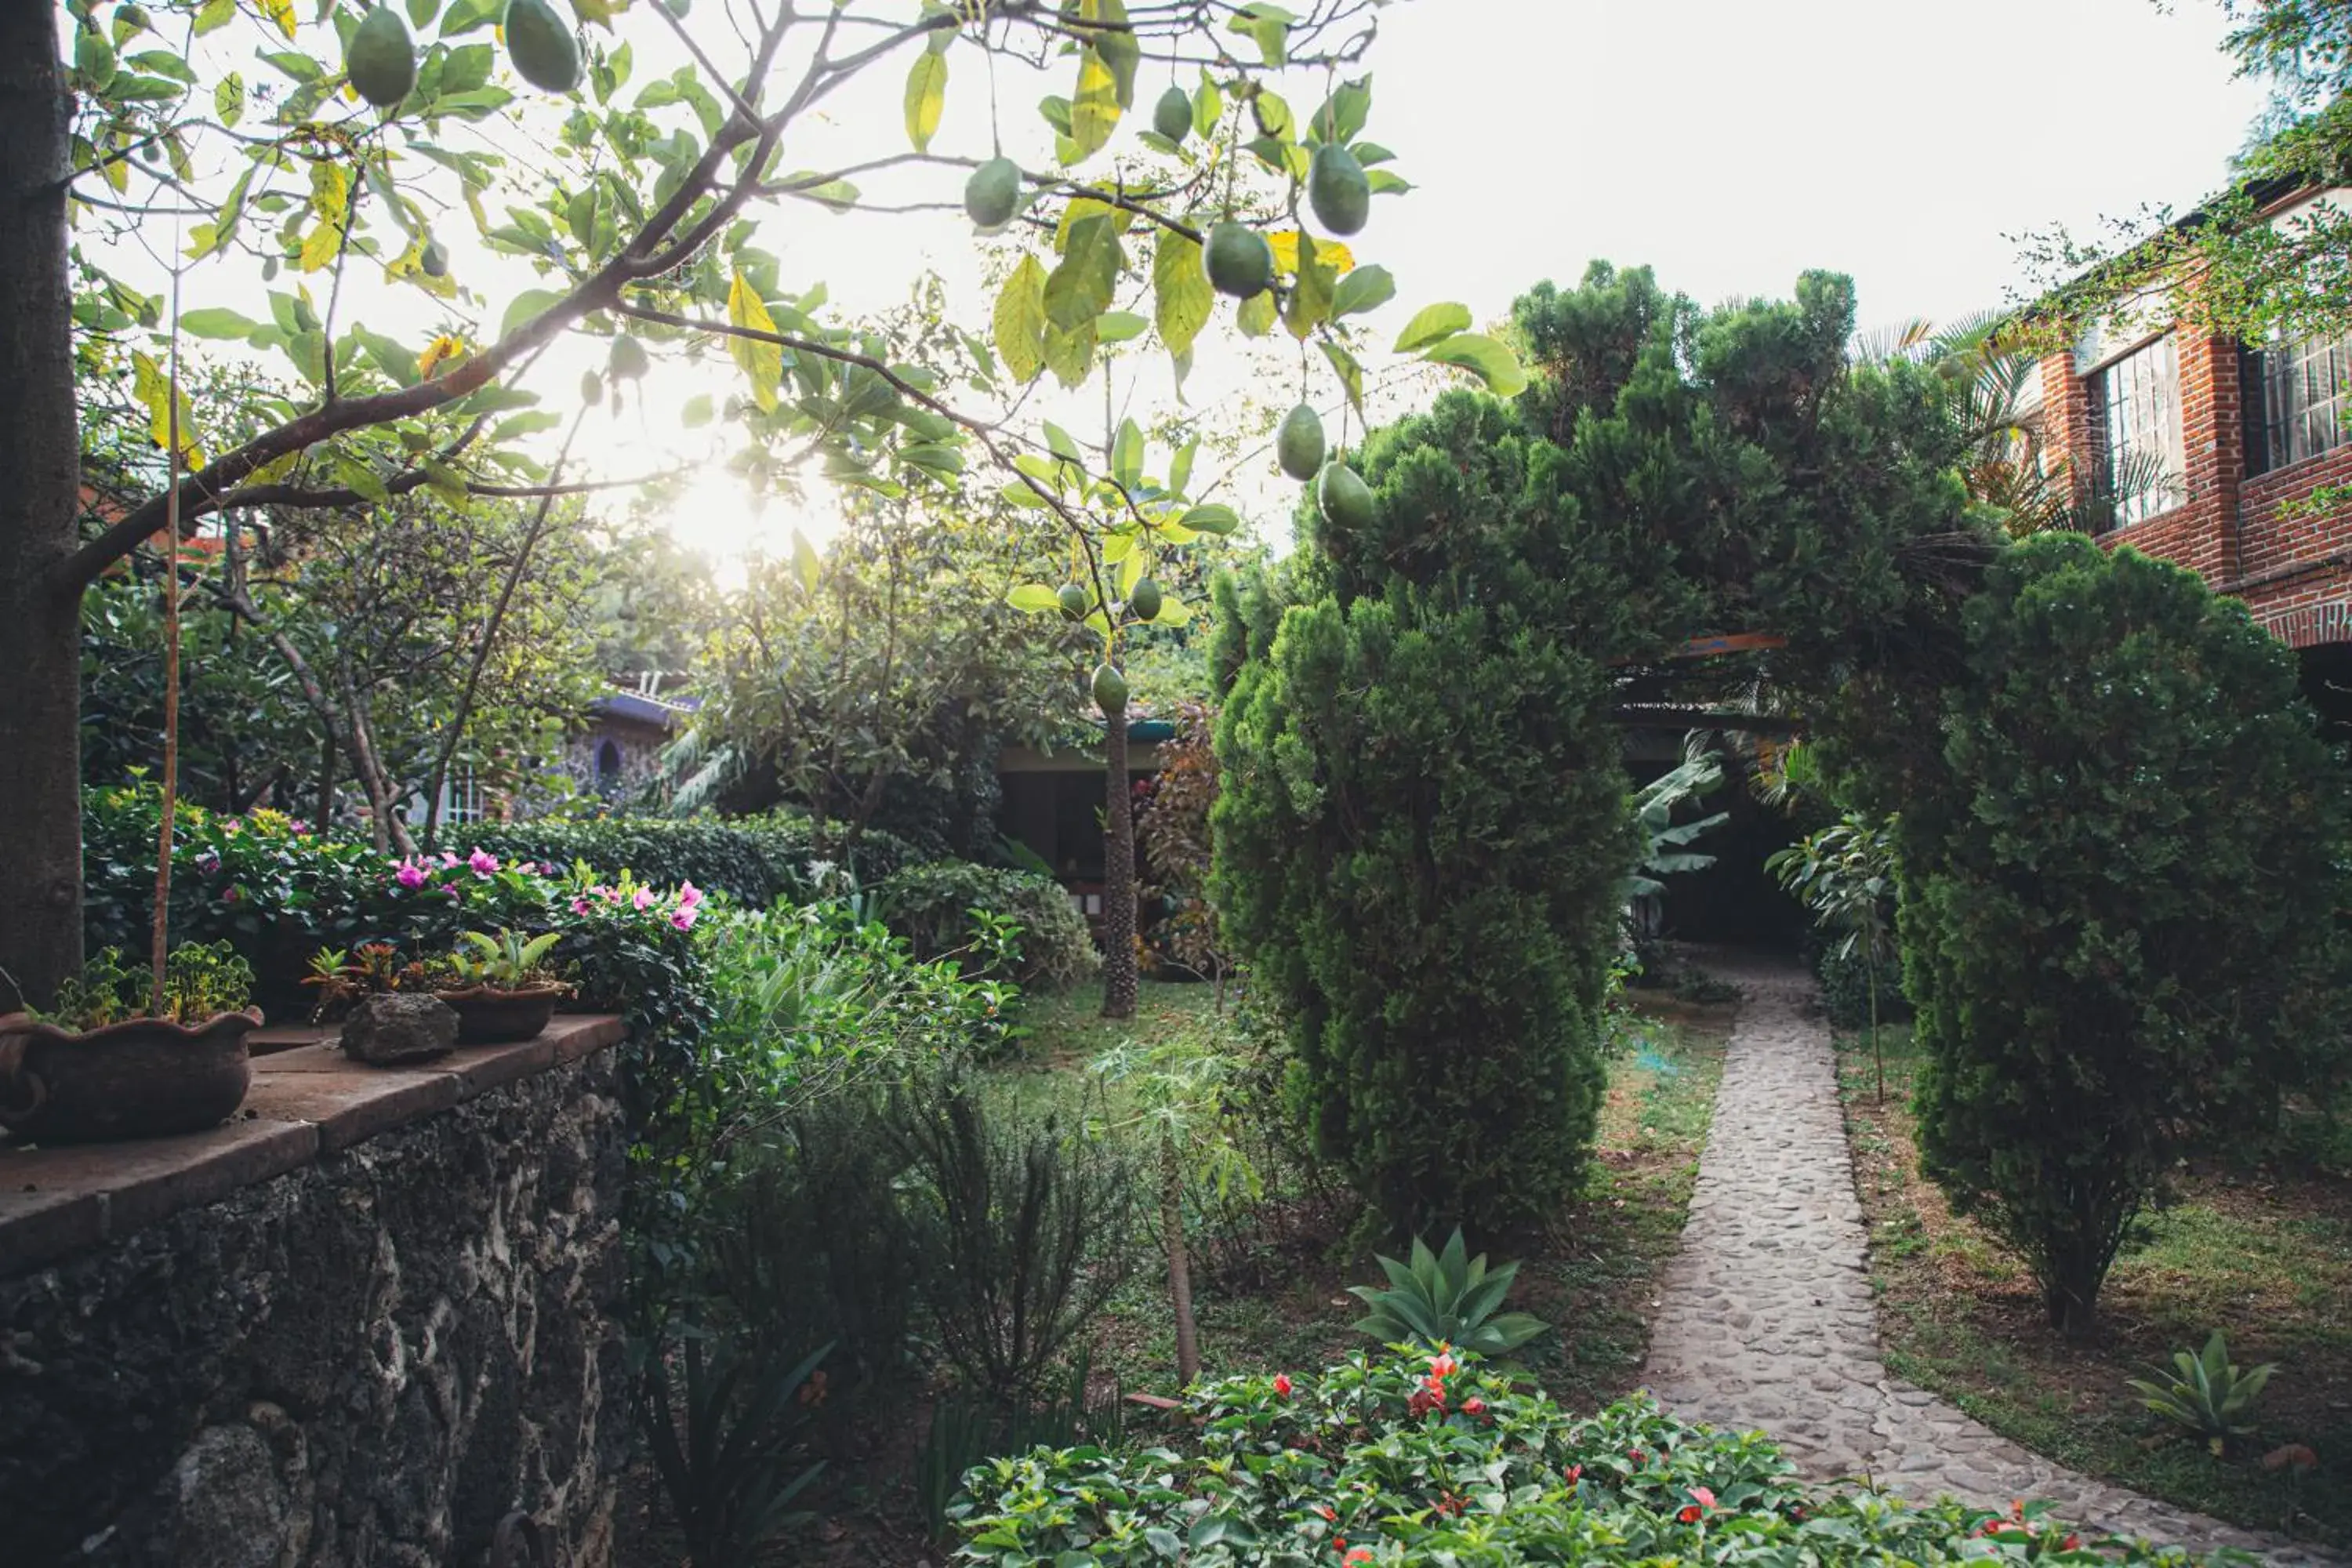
x=395, y=162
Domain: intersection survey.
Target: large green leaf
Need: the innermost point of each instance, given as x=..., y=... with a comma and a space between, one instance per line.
x=1430, y=323
x=1181, y=297
x=1483, y=357
x=217, y=321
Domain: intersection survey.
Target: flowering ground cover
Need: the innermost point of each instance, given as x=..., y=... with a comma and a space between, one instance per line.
x=1422, y=1456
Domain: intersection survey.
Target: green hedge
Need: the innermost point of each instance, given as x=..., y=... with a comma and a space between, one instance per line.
x=757, y=861
x=1388, y=1461
x=931, y=906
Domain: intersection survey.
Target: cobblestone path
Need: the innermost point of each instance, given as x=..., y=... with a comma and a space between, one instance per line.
x=1766, y=1321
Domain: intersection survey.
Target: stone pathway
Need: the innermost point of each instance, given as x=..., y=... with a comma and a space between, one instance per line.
x=1766, y=1317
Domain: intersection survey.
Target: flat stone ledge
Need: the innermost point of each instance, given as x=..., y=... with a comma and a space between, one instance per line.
x=307, y=1099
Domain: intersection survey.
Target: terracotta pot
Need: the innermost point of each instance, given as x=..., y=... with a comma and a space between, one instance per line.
x=488, y=1016
x=143, y=1077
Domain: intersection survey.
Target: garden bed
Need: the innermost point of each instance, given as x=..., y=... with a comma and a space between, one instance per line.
x=2262, y=1252
x=1279, y=1304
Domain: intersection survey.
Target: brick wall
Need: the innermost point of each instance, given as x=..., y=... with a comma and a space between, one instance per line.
x=2292, y=568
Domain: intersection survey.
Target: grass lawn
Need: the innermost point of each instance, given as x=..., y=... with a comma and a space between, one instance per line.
x=2263, y=1253
x=1283, y=1305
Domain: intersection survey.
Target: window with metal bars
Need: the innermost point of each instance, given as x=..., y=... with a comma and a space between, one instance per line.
x=2307, y=393
x=2136, y=414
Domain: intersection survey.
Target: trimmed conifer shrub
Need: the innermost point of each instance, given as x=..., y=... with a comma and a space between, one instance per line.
x=2120, y=912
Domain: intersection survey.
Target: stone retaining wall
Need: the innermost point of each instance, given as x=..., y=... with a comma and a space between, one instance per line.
x=366, y=1324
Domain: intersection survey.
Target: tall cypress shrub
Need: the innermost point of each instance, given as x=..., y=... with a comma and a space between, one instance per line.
x=2120, y=917
x=1423, y=834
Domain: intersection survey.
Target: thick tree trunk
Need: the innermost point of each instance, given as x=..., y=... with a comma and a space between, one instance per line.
x=1119, y=873
x=40, y=479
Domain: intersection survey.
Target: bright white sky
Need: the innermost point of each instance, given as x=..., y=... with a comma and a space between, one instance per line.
x=1729, y=143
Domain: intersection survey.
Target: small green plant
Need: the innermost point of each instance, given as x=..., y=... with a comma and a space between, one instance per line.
x=507, y=962
x=1445, y=1298
x=201, y=980
x=2208, y=1395
x=345, y=977
x=966, y=1432
x=730, y=1479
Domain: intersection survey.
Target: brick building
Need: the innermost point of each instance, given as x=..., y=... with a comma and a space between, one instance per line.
x=2245, y=435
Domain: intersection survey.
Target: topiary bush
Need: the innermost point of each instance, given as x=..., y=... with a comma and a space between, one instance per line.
x=933, y=906
x=2121, y=897
x=1424, y=1460
x=1422, y=837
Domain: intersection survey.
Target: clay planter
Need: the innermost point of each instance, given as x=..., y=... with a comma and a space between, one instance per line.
x=141, y=1078
x=489, y=1016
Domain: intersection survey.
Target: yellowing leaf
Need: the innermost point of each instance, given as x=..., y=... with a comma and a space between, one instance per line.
x=319, y=247
x=1182, y=297
x=1256, y=318
x=763, y=362
x=927, y=98
x=440, y=352
x=1094, y=110
x=153, y=388
x=1329, y=252
x=1020, y=323
x=280, y=12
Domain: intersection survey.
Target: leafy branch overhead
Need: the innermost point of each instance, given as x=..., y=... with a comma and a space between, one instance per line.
x=407, y=145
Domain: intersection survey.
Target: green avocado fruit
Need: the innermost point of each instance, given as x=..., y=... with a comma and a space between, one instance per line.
x=1172, y=115
x=1238, y=260
x=628, y=359
x=1075, y=602
x=1110, y=689
x=680, y=7
x=380, y=62
x=1144, y=604
x=1298, y=445
x=992, y=195
x=1346, y=499
x=544, y=50
x=436, y=259
x=592, y=388
x=1338, y=190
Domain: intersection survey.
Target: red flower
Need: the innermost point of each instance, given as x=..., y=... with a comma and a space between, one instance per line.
x=1358, y=1554
x=1328, y=1512
x=1442, y=1365
x=1704, y=1498
x=1575, y=1473
x=1689, y=1515
x=1636, y=1456
x=1473, y=1406
x=1282, y=1383
x=2072, y=1544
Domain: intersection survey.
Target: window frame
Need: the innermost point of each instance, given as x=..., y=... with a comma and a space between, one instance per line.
x=2282, y=433
x=2100, y=383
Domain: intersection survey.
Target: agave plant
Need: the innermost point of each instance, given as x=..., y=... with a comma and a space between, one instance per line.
x=2210, y=1396
x=1445, y=1298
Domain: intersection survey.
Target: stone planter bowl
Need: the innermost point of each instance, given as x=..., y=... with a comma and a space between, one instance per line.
x=143, y=1077
x=489, y=1016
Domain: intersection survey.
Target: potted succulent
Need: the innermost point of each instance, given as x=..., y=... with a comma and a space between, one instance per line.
x=346, y=976
x=500, y=985
x=116, y=1058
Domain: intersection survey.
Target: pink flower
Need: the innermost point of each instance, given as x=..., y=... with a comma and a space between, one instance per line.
x=643, y=900
x=449, y=857
x=209, y=862
x=579, y=906
x=411, y=874
x=682, y=918
x=484, y=863
x=1704, y=1498
x=1473, y=1406
x=299, y=825
x=688, y=895
x=1442, y=1365
x=1282, y=1383
x=235, y=895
